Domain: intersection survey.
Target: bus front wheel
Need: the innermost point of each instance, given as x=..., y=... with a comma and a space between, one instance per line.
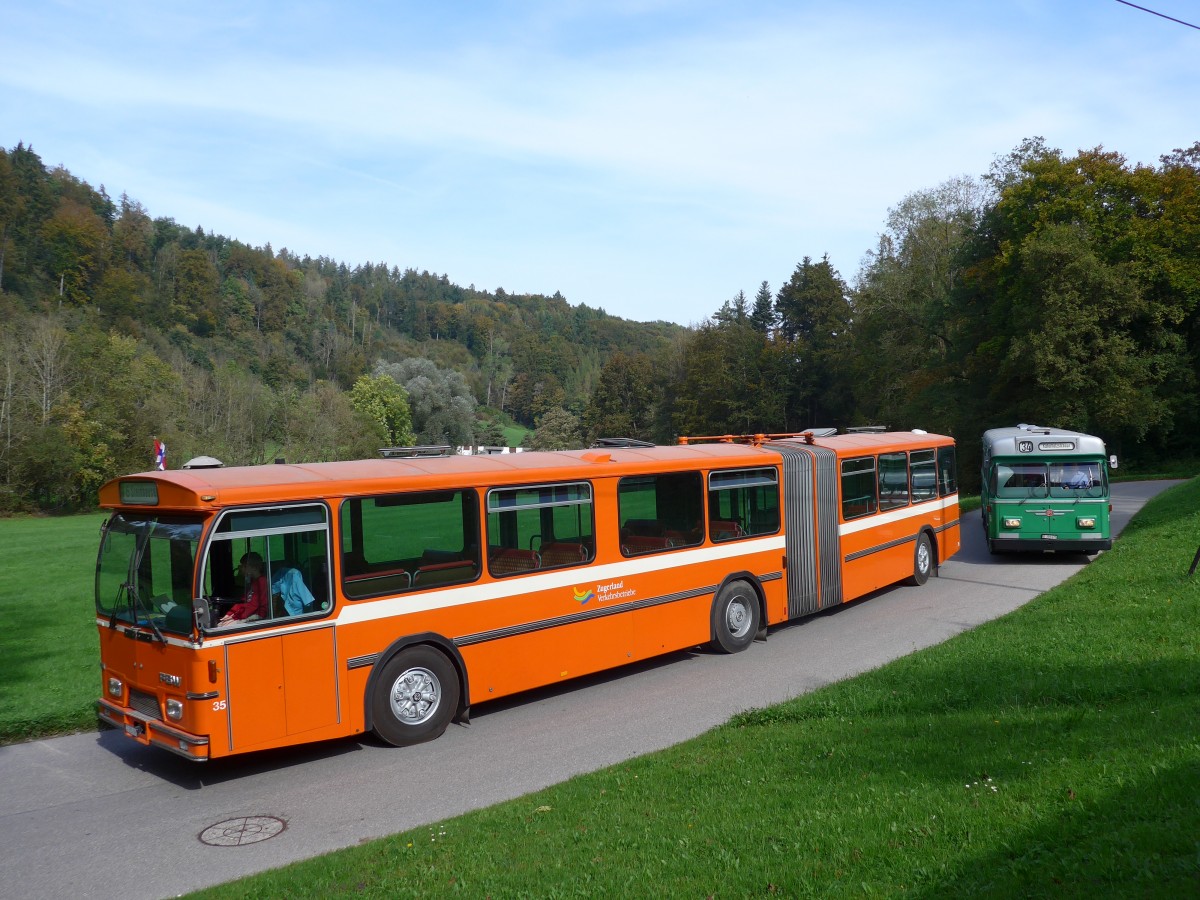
x=922, y=560
x=415, y=697
x=734, y=617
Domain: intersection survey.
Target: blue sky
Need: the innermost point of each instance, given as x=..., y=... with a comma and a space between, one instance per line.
x=648, y=157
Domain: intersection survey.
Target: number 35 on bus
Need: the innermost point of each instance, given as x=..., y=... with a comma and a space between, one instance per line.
x=247, y=608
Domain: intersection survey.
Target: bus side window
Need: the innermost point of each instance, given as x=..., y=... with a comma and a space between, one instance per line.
x=893, y=480
x=947, y=472
x=742, y=503
x=660, y=512
x=858, y=487
x=539, y=527
x=282, y=540
x=393, y=543
x=922, y=475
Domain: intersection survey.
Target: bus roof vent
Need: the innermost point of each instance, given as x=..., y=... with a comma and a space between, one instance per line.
x=414, y=452
x=1038, y=429
x=866, y=429
x=620, y=442
x=203, y=462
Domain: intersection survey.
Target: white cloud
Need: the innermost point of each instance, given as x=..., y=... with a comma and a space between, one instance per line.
x=652, y=158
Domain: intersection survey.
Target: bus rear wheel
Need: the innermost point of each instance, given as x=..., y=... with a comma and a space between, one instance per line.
x=922, y=560
x=735, y=617
x=415, y=697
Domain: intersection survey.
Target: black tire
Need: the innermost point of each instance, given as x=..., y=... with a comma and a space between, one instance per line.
x=923, y=561
x=414, y=697
x=735, y=616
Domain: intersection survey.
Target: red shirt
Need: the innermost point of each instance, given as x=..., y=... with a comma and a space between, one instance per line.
x=255, y=601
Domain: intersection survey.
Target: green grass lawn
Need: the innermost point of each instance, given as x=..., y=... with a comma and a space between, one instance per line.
x=48, y=645
x=1052, y=753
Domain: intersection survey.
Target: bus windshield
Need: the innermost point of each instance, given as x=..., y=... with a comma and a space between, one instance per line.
x=1039, y=480
x=1078, y=479
x=144, y=573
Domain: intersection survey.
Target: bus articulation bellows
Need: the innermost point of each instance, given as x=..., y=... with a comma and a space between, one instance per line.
x=391, y=595
x=1045, y=489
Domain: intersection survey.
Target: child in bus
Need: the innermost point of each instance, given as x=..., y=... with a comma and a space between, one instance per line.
x=256, y=599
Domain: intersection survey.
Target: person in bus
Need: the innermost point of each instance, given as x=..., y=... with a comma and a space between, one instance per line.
x=1080, y=479
x=257, y=597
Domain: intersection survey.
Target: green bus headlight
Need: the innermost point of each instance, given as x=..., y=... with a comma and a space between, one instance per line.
x=1085, y=523
x=1012, y=523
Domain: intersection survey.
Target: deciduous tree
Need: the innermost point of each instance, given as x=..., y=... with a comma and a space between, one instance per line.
x=384, y=402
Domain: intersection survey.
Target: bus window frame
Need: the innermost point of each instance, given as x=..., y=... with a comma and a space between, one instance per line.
x=873, y=498
x=535, y=558
x=435, y=562
x=927, y=494
x=656, y=536
x=746, y=482
x=322, y=594
x=893, y=502
x=947, y=460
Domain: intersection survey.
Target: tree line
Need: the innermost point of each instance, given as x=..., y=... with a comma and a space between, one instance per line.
x=1054, y=289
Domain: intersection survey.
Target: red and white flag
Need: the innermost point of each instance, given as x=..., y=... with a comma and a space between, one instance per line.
x=160, y=454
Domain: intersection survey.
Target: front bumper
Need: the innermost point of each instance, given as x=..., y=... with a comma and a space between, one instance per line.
x=152, y=732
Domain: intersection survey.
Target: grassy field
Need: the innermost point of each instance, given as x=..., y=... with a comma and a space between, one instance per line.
x=48, y=644
x=1051, y=753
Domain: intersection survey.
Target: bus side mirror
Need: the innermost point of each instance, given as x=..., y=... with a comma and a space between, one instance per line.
x=1112, y=461
x=202, y=614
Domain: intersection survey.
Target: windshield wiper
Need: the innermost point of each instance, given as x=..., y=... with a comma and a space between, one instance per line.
x=138, y=607
x=116, y=607
x=135, y=564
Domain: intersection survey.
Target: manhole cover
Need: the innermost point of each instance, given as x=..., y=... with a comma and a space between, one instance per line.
x=241, y=831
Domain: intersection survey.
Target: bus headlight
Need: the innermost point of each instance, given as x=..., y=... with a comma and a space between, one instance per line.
x=1085, y=523
x=1012, y=523
x=114, y=687
x=174, y=710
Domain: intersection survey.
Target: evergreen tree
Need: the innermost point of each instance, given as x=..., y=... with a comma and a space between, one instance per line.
x=622, y=404
x=814, y=324
x=763, y=316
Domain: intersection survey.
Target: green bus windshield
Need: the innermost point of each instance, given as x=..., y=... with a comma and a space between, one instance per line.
x=1036, y=479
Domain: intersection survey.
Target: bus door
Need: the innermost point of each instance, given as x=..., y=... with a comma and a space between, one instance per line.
x=278, y=684
x=281, y=685
x=810, y=504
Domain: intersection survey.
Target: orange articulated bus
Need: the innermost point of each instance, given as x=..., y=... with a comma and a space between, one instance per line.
x=243, y=609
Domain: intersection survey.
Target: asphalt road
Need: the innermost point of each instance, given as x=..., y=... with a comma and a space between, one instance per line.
x=97, y=815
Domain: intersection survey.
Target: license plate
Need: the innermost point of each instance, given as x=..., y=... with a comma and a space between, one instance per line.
x=1049, y=537
x=135, y=730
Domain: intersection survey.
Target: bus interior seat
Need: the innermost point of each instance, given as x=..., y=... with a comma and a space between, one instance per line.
x=318, y=581
x=506, y=560
x=634, y=544
x=448, y=572
x=381, y=581
x=564, y=553
x=354, y=562
x=725, y=530
x=643, y=528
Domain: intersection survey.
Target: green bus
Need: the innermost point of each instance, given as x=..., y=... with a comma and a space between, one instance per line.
x=1045, y=489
